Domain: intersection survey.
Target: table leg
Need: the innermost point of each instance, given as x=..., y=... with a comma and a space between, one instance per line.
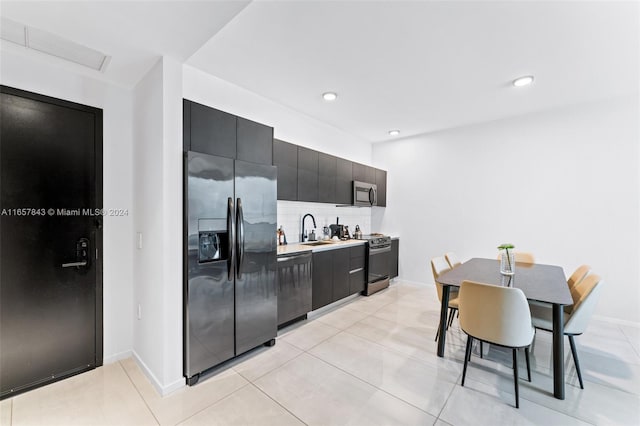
x=558, y=351
x=443, y=319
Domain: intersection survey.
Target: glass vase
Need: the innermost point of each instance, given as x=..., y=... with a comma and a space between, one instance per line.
x=507, y=262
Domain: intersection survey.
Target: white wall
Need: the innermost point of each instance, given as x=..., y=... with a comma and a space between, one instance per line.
x=23, y=72
x=563, y=184
x=289, y=125
x=158, y=210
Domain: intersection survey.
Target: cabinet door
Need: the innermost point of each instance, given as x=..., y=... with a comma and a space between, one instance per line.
x=285, y=158
x=370, y=174
x=254, y=142
x=357, y=274
x=395, y=252
x=381, y=183
x=322, y=283
x=359, y=172
x=341, y=264
x=327, y=166
x=344, y=181
x=186, y=125
x=212, y=132
x=307, y=174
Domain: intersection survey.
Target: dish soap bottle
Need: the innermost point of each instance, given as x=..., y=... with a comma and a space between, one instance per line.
x=282, y=238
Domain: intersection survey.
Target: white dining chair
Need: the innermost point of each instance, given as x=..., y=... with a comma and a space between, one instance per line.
x=496, y=315
x=452, y=259
x=438, y=266
x=576, y=320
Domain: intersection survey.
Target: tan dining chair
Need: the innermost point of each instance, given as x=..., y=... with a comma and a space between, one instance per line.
x=577, y=277
x=522, y=257
x=497, y=315
x=438, y=266
x=586, y=297
x=452, y=259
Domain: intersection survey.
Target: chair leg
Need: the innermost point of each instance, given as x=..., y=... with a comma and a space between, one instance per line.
x=467, y=355
x=451, y=315
x=574, y=352
x=450, y=318
x=526, y=354
x=481, y=349
x=515, y=376
x=437, y=333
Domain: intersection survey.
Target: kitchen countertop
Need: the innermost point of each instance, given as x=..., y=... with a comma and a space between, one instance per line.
x=300, y=248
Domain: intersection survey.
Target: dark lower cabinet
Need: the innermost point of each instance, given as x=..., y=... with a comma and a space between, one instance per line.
x=332, y=278
x=254, y=142
x=395, y=252
x=285, y=158
x=322, y=283
x=341, y=267
x=357, y=276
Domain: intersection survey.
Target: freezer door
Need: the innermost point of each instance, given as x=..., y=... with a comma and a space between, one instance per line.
x=256, y=294
x=209, y=265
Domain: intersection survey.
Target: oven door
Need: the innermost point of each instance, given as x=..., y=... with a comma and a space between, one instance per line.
x=379, y=264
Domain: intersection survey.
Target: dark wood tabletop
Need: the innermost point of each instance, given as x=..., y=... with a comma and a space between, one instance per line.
x=544, y=283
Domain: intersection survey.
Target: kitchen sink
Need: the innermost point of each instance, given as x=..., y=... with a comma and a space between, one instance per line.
x=317, y=243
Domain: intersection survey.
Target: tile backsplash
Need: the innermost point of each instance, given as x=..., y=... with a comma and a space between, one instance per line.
x=290, y=217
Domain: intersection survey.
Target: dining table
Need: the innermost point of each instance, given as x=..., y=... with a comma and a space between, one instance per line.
x=538, y=282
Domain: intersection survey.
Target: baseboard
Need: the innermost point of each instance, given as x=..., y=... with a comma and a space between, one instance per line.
x=162, y=390
x=400, y=279
x=116, y=357
x=617, y=321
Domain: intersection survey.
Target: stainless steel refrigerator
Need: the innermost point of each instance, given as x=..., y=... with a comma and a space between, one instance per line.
x=230, y=295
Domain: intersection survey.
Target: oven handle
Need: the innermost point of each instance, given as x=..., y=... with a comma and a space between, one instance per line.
x=380, y=250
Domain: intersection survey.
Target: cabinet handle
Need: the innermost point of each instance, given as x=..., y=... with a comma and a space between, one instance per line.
x=353, y=271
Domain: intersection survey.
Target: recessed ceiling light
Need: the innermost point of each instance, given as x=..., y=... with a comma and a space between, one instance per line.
x=523, y=81
x=329, y=96
x=394, y=132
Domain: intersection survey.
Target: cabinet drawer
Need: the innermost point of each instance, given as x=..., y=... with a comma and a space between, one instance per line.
x=356, y=280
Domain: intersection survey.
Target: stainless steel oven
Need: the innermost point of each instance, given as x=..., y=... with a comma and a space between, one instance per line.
x=378, y=263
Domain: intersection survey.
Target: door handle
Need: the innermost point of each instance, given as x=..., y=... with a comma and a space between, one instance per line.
x=230, y=233
x=72, y=264
x=240, y=230
x=82, y=254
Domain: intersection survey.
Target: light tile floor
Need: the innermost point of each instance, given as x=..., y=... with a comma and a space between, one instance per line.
x=369, y=361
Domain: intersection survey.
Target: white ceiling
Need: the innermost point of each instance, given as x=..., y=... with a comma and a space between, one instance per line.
x=134, y=33
x=418, y=66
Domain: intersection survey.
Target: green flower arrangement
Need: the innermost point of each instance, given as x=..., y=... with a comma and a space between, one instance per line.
x=506, y=247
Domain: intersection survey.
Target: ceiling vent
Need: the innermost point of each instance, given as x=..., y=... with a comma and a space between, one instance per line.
x=51, y=44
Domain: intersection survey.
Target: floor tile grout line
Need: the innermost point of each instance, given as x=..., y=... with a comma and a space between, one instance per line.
x=370, y=384
x=273, y=369
x=629, y=340
x=446, y=402
x=214, y=403
x=277, y=402
x=138, y=391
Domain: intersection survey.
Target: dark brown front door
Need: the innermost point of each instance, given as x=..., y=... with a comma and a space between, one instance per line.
x=50, y=239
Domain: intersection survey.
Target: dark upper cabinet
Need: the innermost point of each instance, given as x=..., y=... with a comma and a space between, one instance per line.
x=285, y=158
x=381, y=183
x=341, y=268
x=395, y=252
x=327, y=167
x=186, y=125
x=322, y=282
x=254, y=142
x=344, y=181
x=212, y=131
x=307, y=174
x=359, y=172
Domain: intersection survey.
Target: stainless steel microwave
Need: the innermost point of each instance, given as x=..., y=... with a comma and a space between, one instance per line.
x=365, y=194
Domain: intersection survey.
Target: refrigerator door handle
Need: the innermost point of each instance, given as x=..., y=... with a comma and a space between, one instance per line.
x=230, y=231
x=240, y=238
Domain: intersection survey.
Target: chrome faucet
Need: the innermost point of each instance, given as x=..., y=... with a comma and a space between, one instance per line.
x=304, y=236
